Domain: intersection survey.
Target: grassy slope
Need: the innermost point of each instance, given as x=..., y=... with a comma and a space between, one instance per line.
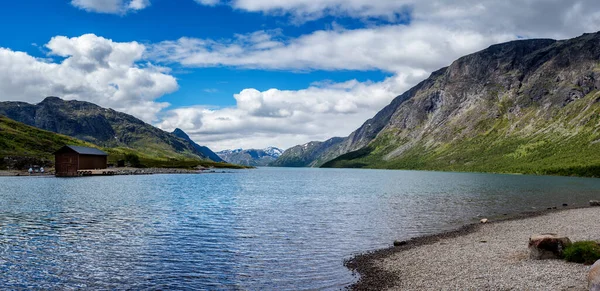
x=565, y=144
x=20, y=140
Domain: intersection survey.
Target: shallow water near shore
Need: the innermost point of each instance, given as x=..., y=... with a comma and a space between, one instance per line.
x=269, y=228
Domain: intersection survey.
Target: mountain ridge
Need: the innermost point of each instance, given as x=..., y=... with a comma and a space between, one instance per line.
x=513, y=107
x=22, y=146
x=251, y=157
x=205, y=151
x=101, y=126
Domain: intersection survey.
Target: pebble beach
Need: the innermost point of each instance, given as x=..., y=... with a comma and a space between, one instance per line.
x=491, y=256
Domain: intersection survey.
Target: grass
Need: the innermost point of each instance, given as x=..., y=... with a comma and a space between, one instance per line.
x=22, y=145
x=583, y=252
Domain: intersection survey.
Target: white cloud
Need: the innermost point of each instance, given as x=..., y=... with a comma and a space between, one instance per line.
x=439, y=32
x=286, y=118
x=138, y=4
x=522, y=17
x=111, y=6
x=208, y=2
x=92, y=69
x=390, y=48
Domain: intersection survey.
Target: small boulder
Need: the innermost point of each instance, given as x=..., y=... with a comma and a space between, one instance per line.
x=484, y=220
x=594, y=277
x=594, y=203
x=547, y=246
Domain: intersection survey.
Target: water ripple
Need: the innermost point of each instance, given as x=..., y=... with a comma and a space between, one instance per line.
x=273, y=229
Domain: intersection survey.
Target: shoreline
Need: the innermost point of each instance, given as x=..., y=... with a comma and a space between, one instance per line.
x=374, y=266
x=125, y=172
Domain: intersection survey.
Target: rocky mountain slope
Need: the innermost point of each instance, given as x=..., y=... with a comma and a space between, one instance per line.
x=202, y=150
x=100, y=126
x=310, y=154
x=251, y=157
x=527, y=106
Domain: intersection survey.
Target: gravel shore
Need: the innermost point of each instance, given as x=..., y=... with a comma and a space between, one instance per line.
x=491, y=256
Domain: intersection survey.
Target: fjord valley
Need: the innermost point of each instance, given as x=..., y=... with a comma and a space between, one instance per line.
x=299, y=145
x=526, y=106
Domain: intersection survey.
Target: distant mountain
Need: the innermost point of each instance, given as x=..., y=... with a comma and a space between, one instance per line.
x=205, y=151
x=527, y=106
x=251, y=157
x=100, y=126
x=312, y=154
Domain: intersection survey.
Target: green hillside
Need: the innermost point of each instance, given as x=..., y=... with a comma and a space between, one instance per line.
x=22, y=145
x=568, y=143
x=529, y=106
x=104, y=127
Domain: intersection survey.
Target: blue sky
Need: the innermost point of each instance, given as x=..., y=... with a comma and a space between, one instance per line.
x=256, y=73
x=170, y=20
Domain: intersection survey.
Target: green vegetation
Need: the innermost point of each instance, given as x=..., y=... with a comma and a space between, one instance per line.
x=583, y=252
x=565, y=144
x=133, y=160
x=104, y=127
x=22, y=145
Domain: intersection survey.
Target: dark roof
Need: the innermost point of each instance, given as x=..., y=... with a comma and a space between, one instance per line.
x=84, y=150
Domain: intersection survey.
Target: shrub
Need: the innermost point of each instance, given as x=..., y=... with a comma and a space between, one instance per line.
x=586, y=252
x=133, y=160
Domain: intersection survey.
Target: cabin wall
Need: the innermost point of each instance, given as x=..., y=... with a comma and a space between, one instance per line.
x=88, y=162
x=66, y=164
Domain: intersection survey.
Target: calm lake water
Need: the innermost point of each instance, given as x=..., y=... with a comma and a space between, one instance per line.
x=264, y=229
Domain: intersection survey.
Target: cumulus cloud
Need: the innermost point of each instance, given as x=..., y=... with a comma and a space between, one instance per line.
x=285, y=118
x=92, y=69
x=522, y=17
x=391, y=48
x=430, y=35
x=111, y=6
x=438, y=32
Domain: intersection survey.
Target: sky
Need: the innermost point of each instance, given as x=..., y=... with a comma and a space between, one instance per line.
x=256, y=73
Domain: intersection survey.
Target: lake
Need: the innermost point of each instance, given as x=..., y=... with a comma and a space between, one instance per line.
x=263, y=229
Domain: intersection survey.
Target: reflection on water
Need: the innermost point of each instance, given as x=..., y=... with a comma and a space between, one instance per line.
x=259, y=229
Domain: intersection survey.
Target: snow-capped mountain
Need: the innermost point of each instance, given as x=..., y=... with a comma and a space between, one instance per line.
x=273, y=151
x=251, y=157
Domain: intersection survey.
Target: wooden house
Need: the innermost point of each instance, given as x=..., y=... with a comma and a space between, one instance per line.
x=70, y=159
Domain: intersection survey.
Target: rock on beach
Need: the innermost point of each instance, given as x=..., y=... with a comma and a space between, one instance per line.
x=594, y=277
x=547, y=246
x=463, y=262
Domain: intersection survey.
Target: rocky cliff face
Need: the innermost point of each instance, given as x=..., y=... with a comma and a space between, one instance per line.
x=100, y=126
x=251, y=157
x=309, y=155
x=204, y=151
x=523, y=106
